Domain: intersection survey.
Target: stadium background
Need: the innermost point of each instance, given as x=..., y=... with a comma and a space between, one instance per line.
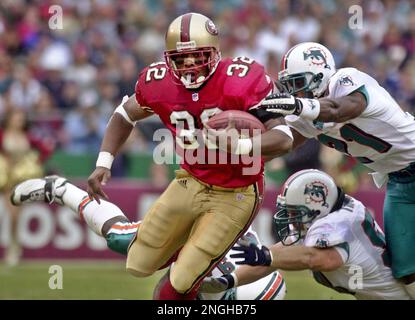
x=68, y=81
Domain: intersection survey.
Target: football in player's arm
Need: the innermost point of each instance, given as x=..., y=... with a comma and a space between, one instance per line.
x=347, y=110
x=323, y=230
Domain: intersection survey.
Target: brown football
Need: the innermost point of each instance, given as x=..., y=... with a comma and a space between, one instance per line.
x=242, y=119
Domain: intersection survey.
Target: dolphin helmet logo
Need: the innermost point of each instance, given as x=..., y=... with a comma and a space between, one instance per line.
x=316, y=56
x=317, y=192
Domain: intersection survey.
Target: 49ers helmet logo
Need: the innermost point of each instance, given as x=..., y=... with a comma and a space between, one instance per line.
x=317, y=192
x=316, y=56
x=211, y=28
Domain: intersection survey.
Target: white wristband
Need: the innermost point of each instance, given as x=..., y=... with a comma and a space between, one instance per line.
x=105, y=160
x=244, y=146
x=311, y=108
x=284, y=128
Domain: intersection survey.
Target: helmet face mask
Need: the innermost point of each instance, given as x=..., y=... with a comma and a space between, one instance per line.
x=300, y=84
x=292, y=222
x=192, y=49
x=192, y=67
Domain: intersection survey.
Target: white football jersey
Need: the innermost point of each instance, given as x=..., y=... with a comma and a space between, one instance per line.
x=361, y=244
x=382, y=137
x=271, y=287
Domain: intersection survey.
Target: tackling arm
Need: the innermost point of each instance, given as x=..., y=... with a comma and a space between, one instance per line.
x=302, y=258
x=248, y=274
x=324, y=109
x=298, y=257
x=260, y=262
x=291, y=258
x=343, y=108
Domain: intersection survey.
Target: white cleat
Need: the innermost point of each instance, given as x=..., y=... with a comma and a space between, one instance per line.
x=49, y=189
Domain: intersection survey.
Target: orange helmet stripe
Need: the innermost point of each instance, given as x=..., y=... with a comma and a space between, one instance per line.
x=274, y=289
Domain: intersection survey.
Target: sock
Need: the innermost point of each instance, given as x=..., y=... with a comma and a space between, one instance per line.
x=165, y=291
x=120, y=235
x=410, y=288
x=72, y=196
x=94, y=214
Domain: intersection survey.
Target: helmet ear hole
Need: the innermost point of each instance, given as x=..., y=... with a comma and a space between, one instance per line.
x=318, y=77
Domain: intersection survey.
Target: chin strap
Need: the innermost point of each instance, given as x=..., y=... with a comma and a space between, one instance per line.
x=199, y=81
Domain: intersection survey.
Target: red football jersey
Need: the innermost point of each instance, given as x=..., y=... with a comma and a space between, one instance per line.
x=237, y=84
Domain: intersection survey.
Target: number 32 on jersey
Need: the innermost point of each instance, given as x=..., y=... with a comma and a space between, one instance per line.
x=186, y=138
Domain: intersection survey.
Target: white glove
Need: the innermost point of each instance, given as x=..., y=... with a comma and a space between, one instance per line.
x=286, y=104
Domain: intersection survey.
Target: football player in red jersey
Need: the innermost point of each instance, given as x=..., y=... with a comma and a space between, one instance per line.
x=207, y=207
x=110, y=223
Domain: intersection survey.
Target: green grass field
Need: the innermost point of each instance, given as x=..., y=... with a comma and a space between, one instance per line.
x=109, y=280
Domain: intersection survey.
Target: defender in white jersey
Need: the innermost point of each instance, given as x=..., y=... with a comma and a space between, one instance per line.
x=108, y=221
x=328, y=232
x=349, y=111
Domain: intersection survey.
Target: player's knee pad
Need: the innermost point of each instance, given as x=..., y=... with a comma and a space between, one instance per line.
x=189, y=266
x=180, y=282
x=137, y=264
x=157, y=228
x=215, y=240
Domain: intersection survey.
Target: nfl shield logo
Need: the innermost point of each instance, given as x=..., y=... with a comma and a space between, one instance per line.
x=195, y=96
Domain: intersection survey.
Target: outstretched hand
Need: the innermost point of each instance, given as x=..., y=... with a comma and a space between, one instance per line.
x=251, y=254
x=96, y=180
x=282, y=103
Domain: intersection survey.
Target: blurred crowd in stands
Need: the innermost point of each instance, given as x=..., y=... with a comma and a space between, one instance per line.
x=69, y=80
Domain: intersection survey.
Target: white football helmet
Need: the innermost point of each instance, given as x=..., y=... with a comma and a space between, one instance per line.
x=192, y=36
x=307, y=67
x=271, y=287
x=306, y=196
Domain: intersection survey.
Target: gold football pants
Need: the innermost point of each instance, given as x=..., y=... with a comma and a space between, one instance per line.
x=203, y=220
